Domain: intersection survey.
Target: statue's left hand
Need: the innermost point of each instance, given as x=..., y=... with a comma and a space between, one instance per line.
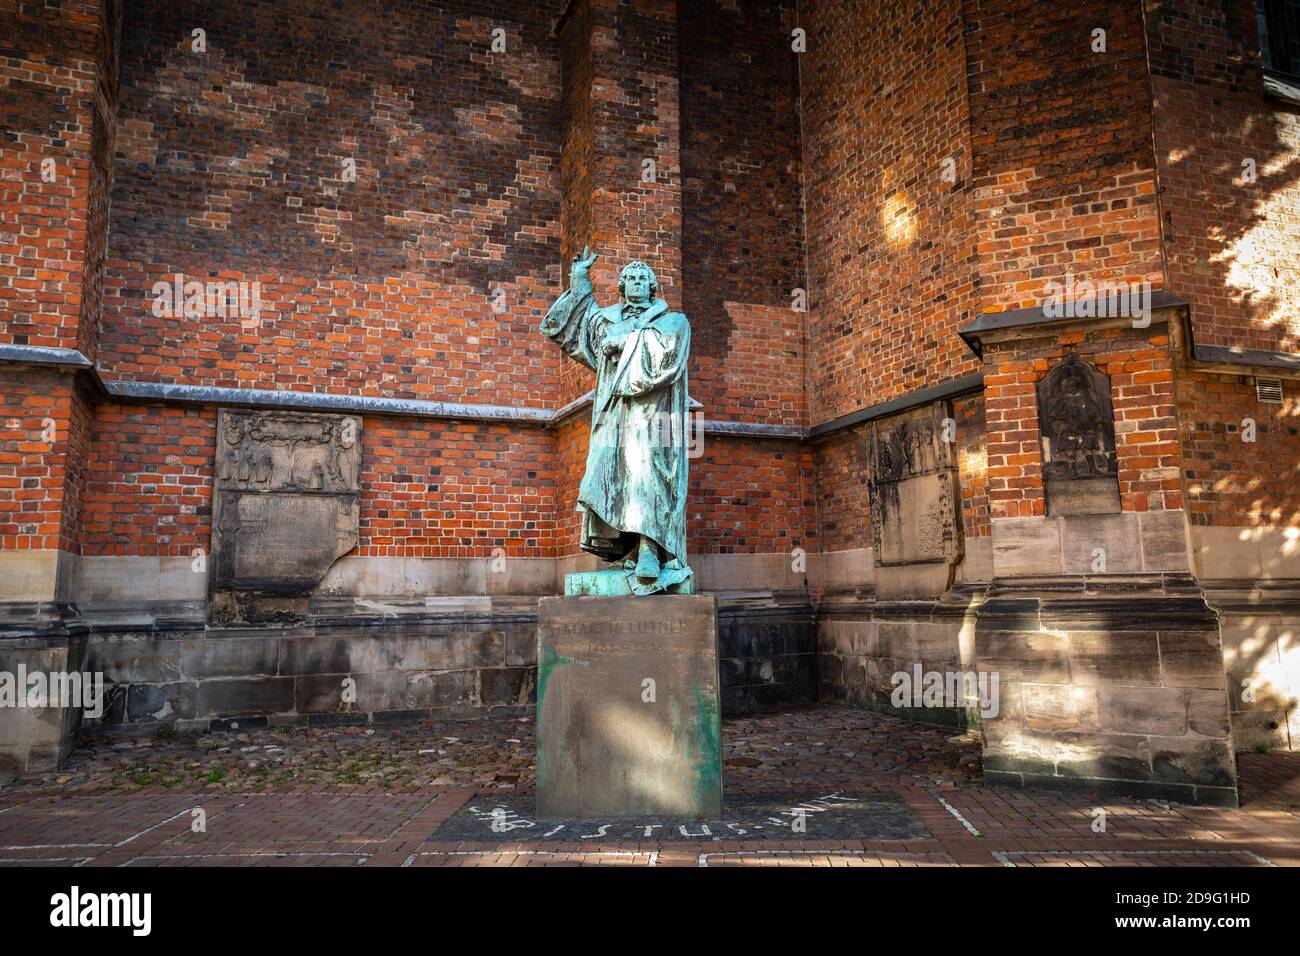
x=612, y=345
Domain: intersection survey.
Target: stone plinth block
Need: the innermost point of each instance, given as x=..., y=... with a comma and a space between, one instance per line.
x=627, y=707
x=37, y=739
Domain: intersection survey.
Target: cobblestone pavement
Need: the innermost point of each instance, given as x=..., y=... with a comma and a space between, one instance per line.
x=349, y=796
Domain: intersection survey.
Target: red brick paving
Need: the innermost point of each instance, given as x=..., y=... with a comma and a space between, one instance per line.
x=332, y=824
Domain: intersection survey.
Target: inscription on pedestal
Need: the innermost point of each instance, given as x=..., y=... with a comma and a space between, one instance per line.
x=628, y=719
x=286, y=506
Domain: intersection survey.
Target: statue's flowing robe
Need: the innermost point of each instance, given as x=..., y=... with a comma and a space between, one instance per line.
x=635, y=483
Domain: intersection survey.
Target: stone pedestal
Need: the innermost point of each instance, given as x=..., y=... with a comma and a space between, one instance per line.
x=37, y=739
x=1107, y=689
x=627, y=707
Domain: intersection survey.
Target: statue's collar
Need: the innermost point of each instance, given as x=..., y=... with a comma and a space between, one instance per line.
x=652, y=310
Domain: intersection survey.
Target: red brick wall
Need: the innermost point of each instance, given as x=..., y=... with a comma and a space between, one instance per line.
x=76, y=468
x=1146, y=441
x=1232, y=482
x=149, y=481
x=36, y=409
x=429, y=489
x=751, y=496
x=572, y=438
x=621, y=107
x=842, y=494
x=1231, y=251
x=231, y=164
x=891, y=250
x=747, y=496
x=972, y=465
x=57, y=89
x=891, y=245
x=1064, y=177
x=578, y=169
x=1230, y=244
x=742, y=216
x=456, y=490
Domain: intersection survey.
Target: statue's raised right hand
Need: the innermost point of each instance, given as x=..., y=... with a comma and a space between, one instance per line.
x=582, y=262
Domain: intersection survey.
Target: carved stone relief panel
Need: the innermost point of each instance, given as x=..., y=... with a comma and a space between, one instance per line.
x=286, y=506
x=1076, y=423
x=914, y=499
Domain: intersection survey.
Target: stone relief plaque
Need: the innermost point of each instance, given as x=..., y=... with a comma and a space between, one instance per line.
x=1076, y=424
x=286, y=506
x=913, y=476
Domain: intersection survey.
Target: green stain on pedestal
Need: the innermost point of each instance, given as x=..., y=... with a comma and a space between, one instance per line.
x=547, y=661
x=708, y=770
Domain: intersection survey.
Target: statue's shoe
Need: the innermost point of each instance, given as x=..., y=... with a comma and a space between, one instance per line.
x=647, y=566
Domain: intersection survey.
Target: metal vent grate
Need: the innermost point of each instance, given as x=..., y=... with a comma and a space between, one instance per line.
x=1269, y=390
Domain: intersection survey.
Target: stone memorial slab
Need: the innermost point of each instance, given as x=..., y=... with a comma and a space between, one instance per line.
x=286, y=507
x=1076, y=422
x=628, y=721
x=913, y=483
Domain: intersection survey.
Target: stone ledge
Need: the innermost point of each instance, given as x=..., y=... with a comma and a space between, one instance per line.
x=1181, y=793
x=993, y=325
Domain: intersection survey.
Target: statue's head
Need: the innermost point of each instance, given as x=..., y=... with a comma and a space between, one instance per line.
x=637, y=282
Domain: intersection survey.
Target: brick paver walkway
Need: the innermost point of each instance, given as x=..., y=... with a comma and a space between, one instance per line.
x=352, y=796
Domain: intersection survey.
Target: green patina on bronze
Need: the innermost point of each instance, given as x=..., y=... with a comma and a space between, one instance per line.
x=633, y=493
x=614, y=584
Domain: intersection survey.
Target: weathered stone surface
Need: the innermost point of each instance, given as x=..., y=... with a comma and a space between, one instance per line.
x=508, y=685
x=1107, y=720
x=1114, y=756
x=319, y=694
x=914, y=515
x=1207, y=713
x=162, y=702
x=1124, y=657
x=611, y=744
x=1101, y=544
x=1143, y=710
x=1191, y=659
x=1024, y=546
x=36, y=739
x=1058, y=707
x=286, y=506
x=361, y=653
x=137, y=660
x=846, y=638
x=1193, y=760
x=1038, y=656
x=1008, y=747
x=258, y=695
x=28, y=576
x=230, y=657
x=1085, y=496
x=1164, y=540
